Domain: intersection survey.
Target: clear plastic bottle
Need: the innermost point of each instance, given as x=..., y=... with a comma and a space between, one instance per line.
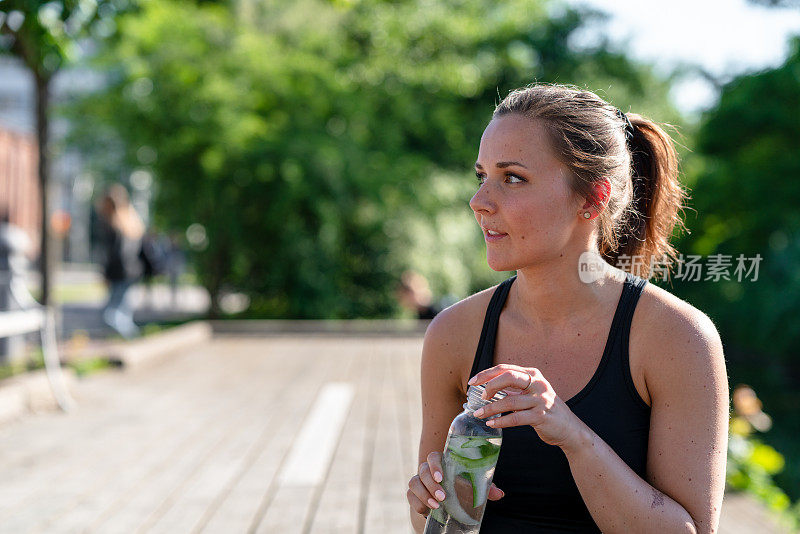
x=468, y=462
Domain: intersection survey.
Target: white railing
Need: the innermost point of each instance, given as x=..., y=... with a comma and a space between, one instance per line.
x=18, y=322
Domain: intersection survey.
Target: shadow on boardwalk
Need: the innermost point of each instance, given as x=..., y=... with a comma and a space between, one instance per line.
x=269, y=435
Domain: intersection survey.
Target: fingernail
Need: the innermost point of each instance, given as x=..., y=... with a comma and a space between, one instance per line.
x=437, y=476
x=490, y=422
x=502, y=493
x=433, y=504
x=471, y=381
x=479, y=412
x=440, y=495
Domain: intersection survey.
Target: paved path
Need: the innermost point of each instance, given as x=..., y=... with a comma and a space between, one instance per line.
x=216, y=440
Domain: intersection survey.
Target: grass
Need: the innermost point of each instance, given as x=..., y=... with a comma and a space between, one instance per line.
x=35, y=361
x=75, y=293
x=81, y=366
x=97, y=290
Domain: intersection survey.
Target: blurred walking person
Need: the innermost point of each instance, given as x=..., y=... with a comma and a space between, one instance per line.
x=123, y=231
x=176, y=265
x=414, y=294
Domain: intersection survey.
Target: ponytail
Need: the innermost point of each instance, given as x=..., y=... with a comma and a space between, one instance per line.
x=644, y=231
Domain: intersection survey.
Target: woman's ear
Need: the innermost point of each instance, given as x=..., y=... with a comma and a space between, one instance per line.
x=601, y=193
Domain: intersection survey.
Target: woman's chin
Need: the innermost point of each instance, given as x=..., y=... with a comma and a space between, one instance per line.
x=500, y=265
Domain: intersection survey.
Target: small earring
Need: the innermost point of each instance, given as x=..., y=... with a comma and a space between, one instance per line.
x=587, y=214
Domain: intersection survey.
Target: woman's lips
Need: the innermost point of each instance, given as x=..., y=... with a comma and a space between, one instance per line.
x=492, y=238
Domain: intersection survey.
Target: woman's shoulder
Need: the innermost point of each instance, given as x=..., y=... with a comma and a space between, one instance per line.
x=669, y=335
x=658, y=310
x=453, y=335
x=463, y=316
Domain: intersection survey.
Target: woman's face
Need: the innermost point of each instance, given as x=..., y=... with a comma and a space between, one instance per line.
x=523, y=193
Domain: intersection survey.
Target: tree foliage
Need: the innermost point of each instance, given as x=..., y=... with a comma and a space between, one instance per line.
x=745, y=196
x=324, y=154
x=45, y=36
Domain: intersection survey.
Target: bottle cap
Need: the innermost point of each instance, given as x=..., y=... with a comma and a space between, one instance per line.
x=474, y=396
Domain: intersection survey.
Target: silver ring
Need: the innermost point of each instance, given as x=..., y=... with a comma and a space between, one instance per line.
x=530, y=383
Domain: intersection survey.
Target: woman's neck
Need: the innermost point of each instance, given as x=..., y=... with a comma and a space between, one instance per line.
x=553, y=294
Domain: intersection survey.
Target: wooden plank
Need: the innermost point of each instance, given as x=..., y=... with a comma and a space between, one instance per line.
x=338, y=508
x=288, y=508
x=386, y=502
x=743, y=514
x=243, y=504
x=192, y=445
x=87, y=442
x=256, y=420
x=408, y=358
x=158, y=493
x=32, y=439
x=182, y=427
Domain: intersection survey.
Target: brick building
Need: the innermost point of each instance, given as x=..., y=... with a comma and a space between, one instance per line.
x=19, y=184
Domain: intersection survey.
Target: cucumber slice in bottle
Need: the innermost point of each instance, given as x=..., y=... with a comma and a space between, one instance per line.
x=472, y=463
x=474, y=442
x=457, y=445
x=489, y=449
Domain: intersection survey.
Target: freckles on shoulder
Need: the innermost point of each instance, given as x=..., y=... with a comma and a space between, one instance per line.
x=675, y=345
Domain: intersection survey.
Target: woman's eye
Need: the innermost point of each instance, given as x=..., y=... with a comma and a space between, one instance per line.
x=508, y=175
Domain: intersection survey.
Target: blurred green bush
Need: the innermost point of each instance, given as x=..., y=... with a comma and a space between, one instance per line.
x=314, y=159
x=752, y=463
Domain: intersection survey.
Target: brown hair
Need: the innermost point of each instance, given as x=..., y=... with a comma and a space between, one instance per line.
x=120, y=213
x=588, y=137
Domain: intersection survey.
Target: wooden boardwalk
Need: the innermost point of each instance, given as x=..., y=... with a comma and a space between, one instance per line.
x=203, y=442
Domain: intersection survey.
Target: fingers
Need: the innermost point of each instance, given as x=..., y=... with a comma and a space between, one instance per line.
x=495, y=493
x=423, y=501
x=488, y=374
x=435, y=463
x=416, y=504
x=517, y=378
x=507, y=404
x=424, y=492
x=431, y=477
x=533, y=416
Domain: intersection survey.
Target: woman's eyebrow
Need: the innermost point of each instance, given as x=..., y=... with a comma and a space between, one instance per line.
x=503, y=164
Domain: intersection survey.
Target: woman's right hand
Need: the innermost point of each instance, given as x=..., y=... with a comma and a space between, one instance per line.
x=424, y=491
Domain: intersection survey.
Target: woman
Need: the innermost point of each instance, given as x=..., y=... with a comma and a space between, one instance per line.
x=123, y=240
x=617, y=415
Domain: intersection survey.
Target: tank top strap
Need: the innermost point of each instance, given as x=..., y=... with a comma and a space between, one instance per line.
x=620, y=329
x=634, y=286
x=619, y=333
x=484, y=355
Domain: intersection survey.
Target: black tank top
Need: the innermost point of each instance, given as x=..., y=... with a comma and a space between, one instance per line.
x=540, y=493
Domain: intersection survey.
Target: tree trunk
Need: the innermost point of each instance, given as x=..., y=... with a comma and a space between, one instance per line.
x=45, y=260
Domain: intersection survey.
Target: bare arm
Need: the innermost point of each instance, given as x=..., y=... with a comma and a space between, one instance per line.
x=687, y=450
x=440, y=375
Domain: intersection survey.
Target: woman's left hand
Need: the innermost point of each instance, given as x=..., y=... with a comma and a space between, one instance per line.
x=538, y=406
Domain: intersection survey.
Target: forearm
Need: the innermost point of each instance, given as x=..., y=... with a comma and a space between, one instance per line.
x=619, y=499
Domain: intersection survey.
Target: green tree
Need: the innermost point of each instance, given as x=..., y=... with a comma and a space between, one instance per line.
x=45, y=36
x=746, y=191
x=323, y=155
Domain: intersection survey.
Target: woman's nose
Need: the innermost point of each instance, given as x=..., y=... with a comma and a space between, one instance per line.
x=480, y=201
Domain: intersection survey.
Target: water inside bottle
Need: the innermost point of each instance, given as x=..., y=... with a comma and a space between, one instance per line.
x=468, y=464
